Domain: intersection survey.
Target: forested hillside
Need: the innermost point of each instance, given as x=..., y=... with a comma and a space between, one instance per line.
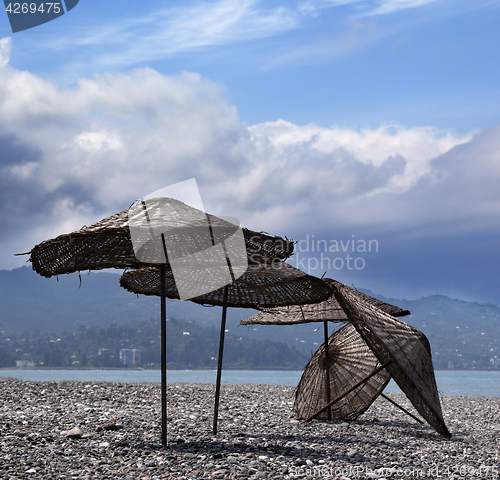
x=463, y=335
x=188, y=346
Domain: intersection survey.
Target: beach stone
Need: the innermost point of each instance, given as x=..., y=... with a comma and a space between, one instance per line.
x=75, y=432
x=113, y=426
x=246, y=449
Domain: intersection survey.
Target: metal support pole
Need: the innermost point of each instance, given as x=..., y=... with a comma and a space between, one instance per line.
x=348, y=391
x=390, y=400
x=221, y=351
x=163, y=357
x=327, y=371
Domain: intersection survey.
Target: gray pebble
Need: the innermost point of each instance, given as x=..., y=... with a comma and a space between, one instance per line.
x=74, y=433
x=258, y=435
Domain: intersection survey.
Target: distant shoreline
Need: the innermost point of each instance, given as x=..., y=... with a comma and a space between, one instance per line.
x=207, y=369
x=450, y=382
x=152, y=369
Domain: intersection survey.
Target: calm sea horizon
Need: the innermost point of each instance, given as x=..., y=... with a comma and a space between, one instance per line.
x=470, y=383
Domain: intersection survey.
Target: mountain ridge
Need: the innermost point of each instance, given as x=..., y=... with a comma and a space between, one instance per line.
x=462, y=334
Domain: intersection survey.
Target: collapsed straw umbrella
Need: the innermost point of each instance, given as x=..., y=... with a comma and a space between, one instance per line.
x=402, y=349
x=259, y=287
x=327, y=311
x=350, y=360
x=109, y=244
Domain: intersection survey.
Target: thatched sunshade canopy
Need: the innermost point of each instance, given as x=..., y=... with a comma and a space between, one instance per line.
x=406, y=347
x=350, y=360
x=355, y=378
x=146, y=234
x=329, y=310
x=278, y=284
x=108, y=243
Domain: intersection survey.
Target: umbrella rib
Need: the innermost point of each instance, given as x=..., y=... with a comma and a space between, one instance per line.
x=341, y=396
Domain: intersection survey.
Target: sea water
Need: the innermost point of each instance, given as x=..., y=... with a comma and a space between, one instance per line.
x=450, y=382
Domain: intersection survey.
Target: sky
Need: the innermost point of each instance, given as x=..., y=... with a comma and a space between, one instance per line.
x=367, y=129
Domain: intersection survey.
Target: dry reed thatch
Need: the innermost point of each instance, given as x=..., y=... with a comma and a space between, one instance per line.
x=350, y=360
x=260, y=287
x=407, y=348
x=108, y=243
x=328, y=310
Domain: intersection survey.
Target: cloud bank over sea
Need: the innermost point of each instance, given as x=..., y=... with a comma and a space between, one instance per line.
x=71, y=156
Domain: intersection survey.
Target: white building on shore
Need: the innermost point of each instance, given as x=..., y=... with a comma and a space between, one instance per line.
x=130, y=356
x=25, y=363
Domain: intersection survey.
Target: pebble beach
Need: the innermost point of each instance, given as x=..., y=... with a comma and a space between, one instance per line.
x=111, y=430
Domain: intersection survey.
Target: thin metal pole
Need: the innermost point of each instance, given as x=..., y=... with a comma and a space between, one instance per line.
x=401, y=408
x=219, y=365
x=342, y=395
x=327, y=371
x=163, y=356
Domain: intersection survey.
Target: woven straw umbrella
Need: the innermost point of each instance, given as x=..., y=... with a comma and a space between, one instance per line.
x=278, y=284
x=109, y=243
x=327, y=311
x=400, y=348
x=350, y=360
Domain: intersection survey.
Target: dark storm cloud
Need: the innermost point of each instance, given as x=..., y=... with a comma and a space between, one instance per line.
x=18, y=161
x=441, y=235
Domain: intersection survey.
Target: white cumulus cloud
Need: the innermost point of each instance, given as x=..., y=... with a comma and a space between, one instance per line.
x=72, y=156
x=5, y=46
